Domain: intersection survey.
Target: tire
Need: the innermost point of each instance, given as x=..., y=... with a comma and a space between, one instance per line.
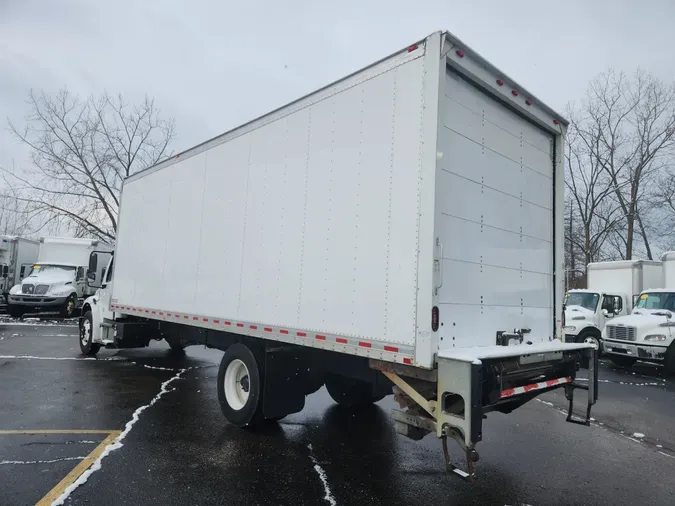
x=351, y=393
x=87, y=347
x=176, y=345
x=669, y=363
x=15, y=311
x=592, y=338
x=625, y=362
x=69, y=308
x=240, y=380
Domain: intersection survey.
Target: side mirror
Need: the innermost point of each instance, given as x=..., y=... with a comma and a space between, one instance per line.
x=606, y=313
x=93, y=263
x=5, y=271
x=23, y=271
x=91, y=275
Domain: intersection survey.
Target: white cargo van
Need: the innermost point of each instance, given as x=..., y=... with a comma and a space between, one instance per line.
x=646, y=333
x=400, y=230
x=59, y=281
x=613, y=287
x=17, y=256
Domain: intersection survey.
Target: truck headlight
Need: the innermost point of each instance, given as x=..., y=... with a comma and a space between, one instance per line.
x=655, y=337
x=60, y=293
x=569, y=328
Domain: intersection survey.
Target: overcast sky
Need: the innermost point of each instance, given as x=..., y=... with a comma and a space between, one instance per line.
x=213, y=65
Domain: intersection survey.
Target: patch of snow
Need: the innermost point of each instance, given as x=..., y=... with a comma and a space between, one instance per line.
x=31, y=357
x=155, y=367
x=667, y=455
x=12, y=462
x=117, y=444
x=638, y=434
x=324, y=479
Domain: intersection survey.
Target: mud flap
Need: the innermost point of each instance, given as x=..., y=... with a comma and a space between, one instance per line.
x=285, y=381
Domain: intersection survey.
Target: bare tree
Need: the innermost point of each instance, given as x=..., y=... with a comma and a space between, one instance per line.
x=82, y=150
x=628, y=127
x=593, y=213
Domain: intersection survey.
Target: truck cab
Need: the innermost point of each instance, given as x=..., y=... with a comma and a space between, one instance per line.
x=646, y=334
x=587, y=312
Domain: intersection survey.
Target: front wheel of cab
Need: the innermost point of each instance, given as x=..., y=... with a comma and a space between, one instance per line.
x=69, y=308
x=87, y=346
x=240, y=386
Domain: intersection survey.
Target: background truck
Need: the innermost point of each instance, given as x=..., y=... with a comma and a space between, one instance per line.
x=646, y=333
x=17, y=256
x=59, y=281
x=399, y=230
x=612, y=289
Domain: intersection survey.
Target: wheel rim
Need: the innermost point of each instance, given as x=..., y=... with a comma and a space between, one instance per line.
x=85, y=333
x=592, y=340
x=70, y=306
x=237, y=384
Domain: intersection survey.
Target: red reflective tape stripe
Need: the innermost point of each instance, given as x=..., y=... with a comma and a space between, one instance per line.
x=283, y=331
x=550, y=383
x=168, y=314
x=254, y=327
x=186, y=317
x=216, y=321
x=391, y=348
x=534, y=386
x=240, y=324
x=301, y=334
x=320, y=337
x=154, y=312
x=407, y=361
x=147, y=311
x=267, y=329
x=365, y=345
x=161, y=313
x=195, y=318
x=508, y=392
x=340, y=340
x=227, y=323
x=205, y=319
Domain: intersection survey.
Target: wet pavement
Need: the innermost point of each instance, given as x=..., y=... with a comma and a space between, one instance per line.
x=178, y=449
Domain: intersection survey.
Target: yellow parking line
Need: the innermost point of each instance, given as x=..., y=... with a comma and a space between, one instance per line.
x=56, y=431
x=84, y=464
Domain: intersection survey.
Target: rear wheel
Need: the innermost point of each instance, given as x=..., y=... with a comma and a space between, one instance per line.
x=351, y=392
x=624, y=362
x=177, y=345
x=87, y=347
x=15, y=311
x=240, y=386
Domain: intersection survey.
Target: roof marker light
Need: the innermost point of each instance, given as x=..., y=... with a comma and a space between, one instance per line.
x=556, y=121
x=412, y=48
x=500, y=82
x=460, y=53
x=528, y=101
x=514, y=93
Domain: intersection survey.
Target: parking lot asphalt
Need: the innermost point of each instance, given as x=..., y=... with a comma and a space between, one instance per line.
x=154, y=418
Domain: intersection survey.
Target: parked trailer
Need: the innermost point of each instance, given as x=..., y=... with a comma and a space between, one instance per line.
x=399, y=230
x=17, y=256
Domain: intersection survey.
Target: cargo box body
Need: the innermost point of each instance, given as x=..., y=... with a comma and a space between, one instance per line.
x=429, y=181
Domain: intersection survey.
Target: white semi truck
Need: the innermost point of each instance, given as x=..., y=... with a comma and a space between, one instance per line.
x=59, y=280
x=646, y=333
x=613, y=288
x=17, y=256
x=400, y=230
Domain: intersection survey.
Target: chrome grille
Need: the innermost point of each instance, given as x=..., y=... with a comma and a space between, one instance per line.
x=621, y=333
x=27, y=288
x=41, y=289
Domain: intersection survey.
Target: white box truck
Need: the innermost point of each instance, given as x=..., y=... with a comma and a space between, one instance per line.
x=59, y=281
x=613, y=288
x=399, y=230
x=17, y=256
x=646, y=333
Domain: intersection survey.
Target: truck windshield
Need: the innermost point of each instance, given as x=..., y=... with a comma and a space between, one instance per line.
x=660, y=300
x=586, y=300
x=51, y=269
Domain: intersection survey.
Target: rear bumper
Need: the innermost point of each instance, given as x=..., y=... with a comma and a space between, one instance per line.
x=641, y=351
x=474, y=382
x=36, y=301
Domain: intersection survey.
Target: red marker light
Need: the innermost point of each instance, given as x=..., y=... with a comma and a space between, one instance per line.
x=514, y=93
x=556, y=121
x=528, y=101
x=412, y=48
x=500, y=82
x=460, y=53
